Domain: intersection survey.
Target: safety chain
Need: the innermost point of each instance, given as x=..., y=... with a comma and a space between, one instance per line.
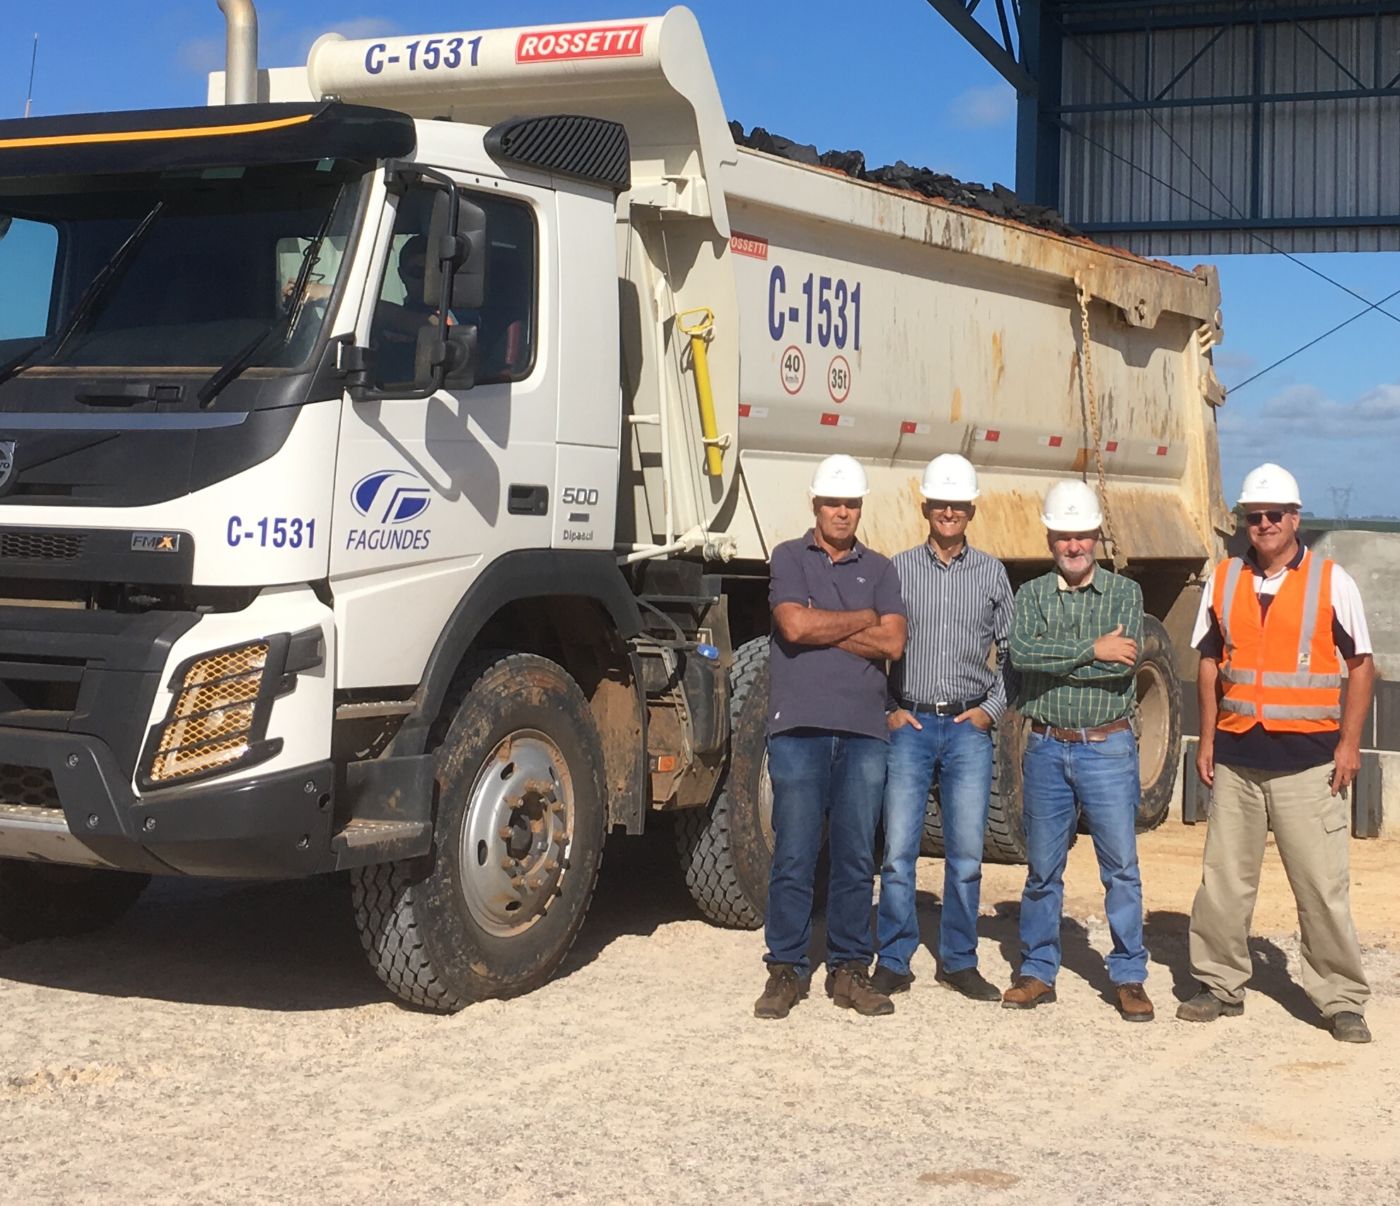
x=1086, y=382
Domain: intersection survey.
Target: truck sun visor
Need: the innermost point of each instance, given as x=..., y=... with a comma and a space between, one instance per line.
x=165, y=139
x=585, y=148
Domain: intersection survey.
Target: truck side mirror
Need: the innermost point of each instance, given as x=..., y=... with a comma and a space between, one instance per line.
x=456, y=355
x=456, y=240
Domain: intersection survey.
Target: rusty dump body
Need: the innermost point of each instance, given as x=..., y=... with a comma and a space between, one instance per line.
x=971, y=340
x=879, y=323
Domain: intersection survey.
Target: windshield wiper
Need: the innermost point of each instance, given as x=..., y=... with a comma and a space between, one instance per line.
x=280, y=328
x=88, y=303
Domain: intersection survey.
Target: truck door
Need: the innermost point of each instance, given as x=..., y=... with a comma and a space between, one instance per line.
x=429, y=490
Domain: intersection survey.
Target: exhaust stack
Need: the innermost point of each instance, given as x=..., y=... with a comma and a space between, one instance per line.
x=241, y=63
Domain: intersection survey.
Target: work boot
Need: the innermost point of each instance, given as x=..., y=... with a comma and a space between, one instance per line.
x=784, y=989
x=971, y=984
x=889, y=981
x=1349, y=1027
x=1205, y=1006
x=1026, y=992
x=1133, y=1003
x=848, y=984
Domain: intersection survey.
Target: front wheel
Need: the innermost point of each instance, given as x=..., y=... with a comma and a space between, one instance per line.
x=517, y=842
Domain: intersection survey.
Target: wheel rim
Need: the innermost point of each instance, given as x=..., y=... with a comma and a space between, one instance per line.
x=516, y=834
x=1154, y=723
x=765, y=802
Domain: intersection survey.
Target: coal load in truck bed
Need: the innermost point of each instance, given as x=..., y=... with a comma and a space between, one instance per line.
x=997, y=200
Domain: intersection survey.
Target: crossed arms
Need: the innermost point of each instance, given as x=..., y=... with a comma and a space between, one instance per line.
x=865, y=633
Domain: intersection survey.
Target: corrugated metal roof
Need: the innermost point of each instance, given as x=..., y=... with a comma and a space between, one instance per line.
x=1208, y=128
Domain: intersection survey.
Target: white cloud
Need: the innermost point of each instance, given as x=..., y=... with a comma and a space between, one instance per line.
x=1308, y=410
x=292, y=46
x=280, y=47
x=201, y=55
x=1326, y=442
x=980, y=108
x=1234, y=364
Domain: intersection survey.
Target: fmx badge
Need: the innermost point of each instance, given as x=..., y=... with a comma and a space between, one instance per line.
x=155, y=542
x=7, y=462
x=390, y=499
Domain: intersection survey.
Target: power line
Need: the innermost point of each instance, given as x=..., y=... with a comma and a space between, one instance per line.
x=1108, y=72
x=1370, y=305
x=1313, y=342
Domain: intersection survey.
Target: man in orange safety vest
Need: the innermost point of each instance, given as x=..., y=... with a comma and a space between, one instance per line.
x=1279, y=748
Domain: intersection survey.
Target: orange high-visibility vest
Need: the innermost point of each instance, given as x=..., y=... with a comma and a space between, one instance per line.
x=1283, y=671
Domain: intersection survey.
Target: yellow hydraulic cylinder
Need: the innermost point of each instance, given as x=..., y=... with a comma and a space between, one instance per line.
x=699, y=331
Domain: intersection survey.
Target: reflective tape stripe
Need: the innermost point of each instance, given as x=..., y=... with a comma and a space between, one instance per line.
x=69, y=140
x=1274, y=678
x=1239, y=678
x=1310, y=604
x=1232, y=582
x=1301, y=712
x=1241, y=707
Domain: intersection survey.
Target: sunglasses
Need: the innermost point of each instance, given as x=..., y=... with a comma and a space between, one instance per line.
x=1255, y=518
x=937, y=504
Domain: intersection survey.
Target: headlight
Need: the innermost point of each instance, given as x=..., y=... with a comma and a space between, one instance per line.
x=219, y=714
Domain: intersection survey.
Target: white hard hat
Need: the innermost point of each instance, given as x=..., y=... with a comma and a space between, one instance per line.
x=949, y=477
x=840, y=476
x=1270, y=484
x=1072, y=507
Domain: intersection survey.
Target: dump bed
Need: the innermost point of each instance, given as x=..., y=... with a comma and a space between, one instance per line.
x=894, y=328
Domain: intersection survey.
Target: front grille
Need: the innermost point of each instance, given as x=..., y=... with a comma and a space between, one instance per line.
x=31, y=786
x=41, y=546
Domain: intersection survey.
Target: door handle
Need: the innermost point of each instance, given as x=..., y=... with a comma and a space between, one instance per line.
x=527, y=500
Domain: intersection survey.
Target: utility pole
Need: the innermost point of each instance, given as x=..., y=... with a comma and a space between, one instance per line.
x=33, y=62
x=1341, y=501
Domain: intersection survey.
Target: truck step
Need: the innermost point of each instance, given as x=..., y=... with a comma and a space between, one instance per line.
x=364, y=841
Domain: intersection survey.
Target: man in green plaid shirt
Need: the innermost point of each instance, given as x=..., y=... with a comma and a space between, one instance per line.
x=1074, y=642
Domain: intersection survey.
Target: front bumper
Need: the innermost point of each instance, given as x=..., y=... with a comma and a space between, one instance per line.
x=269, y=826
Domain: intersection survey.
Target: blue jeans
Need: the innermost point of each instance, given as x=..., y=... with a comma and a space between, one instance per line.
x=836, y=778
x=1060, y=779
x=961, y=756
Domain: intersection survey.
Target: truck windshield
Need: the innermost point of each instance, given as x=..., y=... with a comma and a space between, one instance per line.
x=193, y=270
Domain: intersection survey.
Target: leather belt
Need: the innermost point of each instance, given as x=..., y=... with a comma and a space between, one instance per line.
x=944, y=707
x=1100, y=733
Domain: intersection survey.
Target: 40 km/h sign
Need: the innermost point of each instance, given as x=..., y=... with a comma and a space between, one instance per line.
x=793, y=367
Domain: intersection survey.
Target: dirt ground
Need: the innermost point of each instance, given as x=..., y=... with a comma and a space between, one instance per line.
x=227, y=1043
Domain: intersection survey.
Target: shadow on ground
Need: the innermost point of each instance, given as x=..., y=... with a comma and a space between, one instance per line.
x=1165, y=933
x=292, y=946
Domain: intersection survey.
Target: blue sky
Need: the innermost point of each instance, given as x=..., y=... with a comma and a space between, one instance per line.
x=889, y=77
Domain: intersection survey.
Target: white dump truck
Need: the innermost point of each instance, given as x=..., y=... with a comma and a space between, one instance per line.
x=390, y=454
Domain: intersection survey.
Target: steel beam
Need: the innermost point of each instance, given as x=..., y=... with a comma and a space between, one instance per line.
x=959, y=16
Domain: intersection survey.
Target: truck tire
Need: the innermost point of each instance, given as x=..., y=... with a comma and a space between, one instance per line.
x=726, y=849
x=50, y=900
x=517, y=842
x=1005, y=841
x=1006, y=819
x=1158, y=721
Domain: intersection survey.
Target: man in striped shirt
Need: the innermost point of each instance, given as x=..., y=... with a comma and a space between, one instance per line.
x=1074, y=642
x=946, y=701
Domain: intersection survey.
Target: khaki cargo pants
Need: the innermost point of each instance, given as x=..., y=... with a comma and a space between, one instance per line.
x=1311, y=831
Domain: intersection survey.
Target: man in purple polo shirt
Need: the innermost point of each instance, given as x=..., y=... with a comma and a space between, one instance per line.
x=838, y=618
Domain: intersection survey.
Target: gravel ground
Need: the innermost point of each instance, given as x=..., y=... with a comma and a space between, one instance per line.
x=227, y=1043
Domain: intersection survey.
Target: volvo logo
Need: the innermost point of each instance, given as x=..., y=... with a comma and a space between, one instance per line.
x=7, y=462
